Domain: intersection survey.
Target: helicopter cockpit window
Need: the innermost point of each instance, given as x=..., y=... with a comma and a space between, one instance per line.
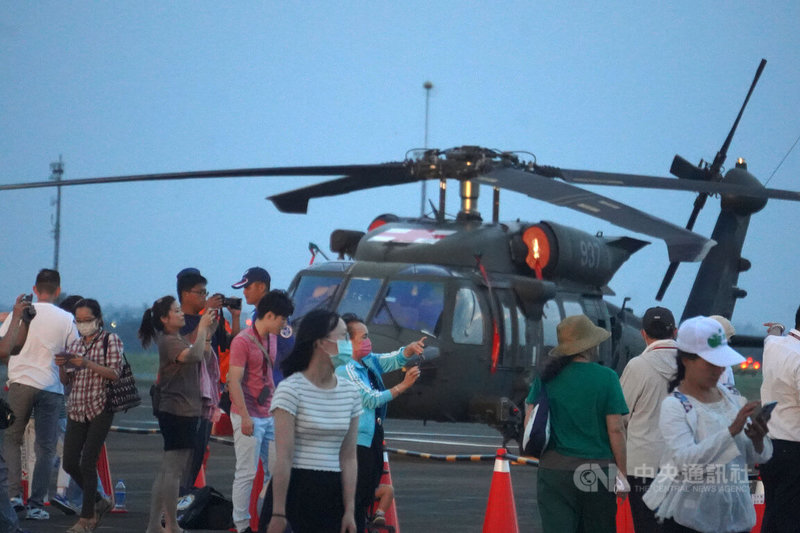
x=572, y=307
x=550, y=319
x=416, y=305
x=359, y=296
x=313, y=292
x=467, y=318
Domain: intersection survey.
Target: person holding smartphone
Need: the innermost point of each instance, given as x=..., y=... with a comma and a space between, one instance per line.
x=711, y=436
x=177, y=402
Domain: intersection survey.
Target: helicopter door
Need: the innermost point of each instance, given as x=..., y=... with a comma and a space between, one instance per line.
x=509, y=352
x=596, y=310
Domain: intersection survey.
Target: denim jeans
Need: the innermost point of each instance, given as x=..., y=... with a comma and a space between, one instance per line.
x=46, y=407
x=248, y=450
x=8, y=517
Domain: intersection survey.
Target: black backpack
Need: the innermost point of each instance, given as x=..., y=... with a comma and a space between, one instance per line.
x=205, y=508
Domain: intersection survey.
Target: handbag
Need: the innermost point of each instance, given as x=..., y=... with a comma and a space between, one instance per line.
x=205, y=508
x=537, y=430
x=7, y=416
x=121, y=394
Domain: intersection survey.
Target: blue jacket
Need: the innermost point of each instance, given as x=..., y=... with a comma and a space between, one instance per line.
x=371, y=399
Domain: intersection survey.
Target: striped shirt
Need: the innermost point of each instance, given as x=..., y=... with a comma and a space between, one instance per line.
x=322, y=418
x=87, y=397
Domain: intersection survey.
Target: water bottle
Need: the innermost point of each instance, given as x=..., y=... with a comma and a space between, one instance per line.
x=119, y=496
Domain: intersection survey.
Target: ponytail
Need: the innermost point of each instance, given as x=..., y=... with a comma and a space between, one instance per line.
x=554, y=365
x=681, y=373
x=151, y=319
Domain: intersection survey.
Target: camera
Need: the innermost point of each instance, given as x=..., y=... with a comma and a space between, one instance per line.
x=29, y=312
x=232, y=303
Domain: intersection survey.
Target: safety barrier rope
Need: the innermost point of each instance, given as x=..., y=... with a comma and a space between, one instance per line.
x=515, y=459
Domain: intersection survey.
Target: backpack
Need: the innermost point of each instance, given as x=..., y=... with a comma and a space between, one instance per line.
x=205, y=508
x=536, y=434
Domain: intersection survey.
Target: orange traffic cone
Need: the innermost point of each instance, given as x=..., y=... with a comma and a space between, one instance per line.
x=501, y=511
x=624, y=516
x=758, y=502
x=392, y=524
x=222, y=427
x=104, y=472
x=255, y=494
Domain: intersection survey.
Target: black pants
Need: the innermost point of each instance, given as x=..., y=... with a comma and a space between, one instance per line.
x=82, y=444
x=781, y=477
x=370, y=469
x=198, y=453
x=314, y=501
x=644, y=519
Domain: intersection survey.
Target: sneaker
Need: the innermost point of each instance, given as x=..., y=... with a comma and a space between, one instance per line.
x=37, y=513
x=379, y=519
x=101, y=508
x=16, y=503
x=64, y=505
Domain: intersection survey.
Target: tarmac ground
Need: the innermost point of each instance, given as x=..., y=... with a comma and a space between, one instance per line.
x=430, y=495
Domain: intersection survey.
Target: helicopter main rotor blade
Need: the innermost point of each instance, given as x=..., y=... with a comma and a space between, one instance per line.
x=336, y=170
x=682, y=245
x=371, y=176
x=591, y=177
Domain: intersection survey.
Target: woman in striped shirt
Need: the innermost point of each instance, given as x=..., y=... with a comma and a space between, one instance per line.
x=316, y=424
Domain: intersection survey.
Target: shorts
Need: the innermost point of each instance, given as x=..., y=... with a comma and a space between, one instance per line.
x=179, y=432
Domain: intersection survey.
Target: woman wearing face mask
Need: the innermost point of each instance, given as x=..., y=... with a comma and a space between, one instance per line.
x=88, y=365
x=316, y=421
x=365, y=370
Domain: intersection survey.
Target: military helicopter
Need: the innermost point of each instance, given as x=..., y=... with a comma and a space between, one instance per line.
x=488, y=295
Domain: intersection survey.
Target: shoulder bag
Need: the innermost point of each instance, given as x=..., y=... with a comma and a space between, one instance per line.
x=121, y=394
x=537, y=431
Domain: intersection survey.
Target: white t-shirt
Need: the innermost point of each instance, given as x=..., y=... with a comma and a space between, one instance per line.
x=322, y=417
x=50, y=332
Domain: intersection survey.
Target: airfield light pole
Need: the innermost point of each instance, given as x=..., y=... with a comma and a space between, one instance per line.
x=57, y=169
x=427, y=86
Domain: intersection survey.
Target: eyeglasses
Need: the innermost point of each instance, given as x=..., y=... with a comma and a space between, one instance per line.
x=202, y=293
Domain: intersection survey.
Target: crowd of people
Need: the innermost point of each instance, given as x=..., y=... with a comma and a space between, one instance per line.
x=316, y=432
x=672, y=433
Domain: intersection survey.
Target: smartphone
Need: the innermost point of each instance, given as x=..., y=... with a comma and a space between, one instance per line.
x=765, y=411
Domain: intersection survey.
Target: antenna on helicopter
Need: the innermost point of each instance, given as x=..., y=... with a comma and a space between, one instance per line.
x=427, y=86
x=685, y=170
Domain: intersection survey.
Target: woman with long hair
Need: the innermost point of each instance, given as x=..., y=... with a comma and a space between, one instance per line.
x=88, y=365
x=711, y=435
x=177, y=401
x=587, y=438
x=316, y=424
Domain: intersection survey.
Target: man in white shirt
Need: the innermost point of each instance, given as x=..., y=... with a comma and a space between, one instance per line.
x=781, y=474
x=644, y=384
x=34, y=386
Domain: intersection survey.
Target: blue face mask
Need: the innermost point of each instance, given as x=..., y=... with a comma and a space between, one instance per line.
x=345, y=353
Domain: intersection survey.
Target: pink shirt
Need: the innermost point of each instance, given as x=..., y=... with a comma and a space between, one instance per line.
x=247, y=352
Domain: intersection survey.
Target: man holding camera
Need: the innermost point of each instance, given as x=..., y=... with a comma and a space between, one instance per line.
x=192, y=295
x=34, y=386
x=10, y=344
x=251, y=385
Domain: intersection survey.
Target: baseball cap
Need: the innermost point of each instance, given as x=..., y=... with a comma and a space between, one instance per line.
x=705, y=337
x=730, y=331
x=250, y=275
x=658, y=323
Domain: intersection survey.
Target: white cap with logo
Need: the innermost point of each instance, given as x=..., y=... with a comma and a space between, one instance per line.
x=705, y=337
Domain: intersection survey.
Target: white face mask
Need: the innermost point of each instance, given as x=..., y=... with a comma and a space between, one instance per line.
x=88, y=328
